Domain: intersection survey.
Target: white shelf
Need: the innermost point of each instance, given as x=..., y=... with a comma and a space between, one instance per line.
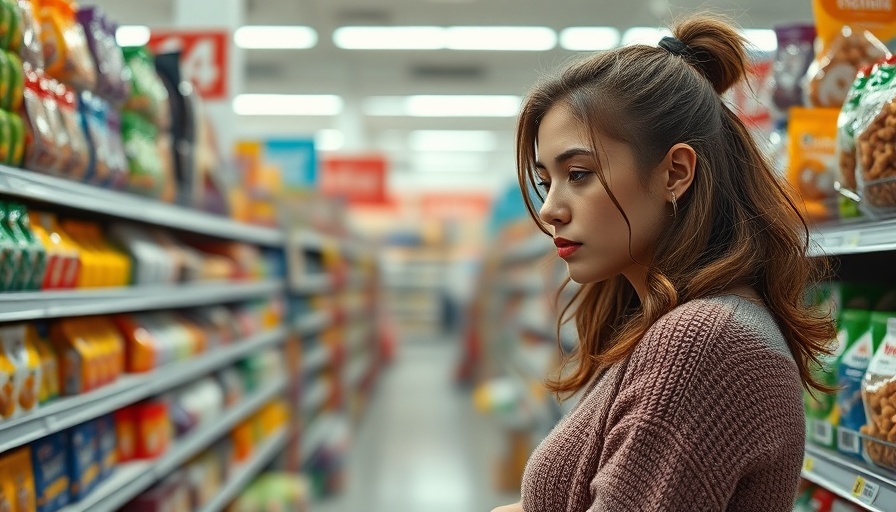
x=315, y=397
x=853, y=238
x=244, y=473
x=130, y=388
x=313, y=283
x=57, y=191
x=840, y=474
x=23, y=306
x=315, y=358
x=130, y=479
x=312, y=323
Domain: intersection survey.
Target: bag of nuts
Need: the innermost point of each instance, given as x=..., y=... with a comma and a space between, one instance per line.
x=875, y=140
x=850, y=34
x=846, y=130
x=879, y=397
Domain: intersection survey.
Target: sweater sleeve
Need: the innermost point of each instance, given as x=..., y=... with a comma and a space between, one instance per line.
x=706, y=407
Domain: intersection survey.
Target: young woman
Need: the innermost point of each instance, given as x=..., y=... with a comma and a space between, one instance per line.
x=695, y=339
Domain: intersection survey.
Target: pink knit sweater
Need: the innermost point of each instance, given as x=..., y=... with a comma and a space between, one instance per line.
x=706, y=414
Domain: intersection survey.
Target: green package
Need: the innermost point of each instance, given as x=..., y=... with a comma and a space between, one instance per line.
x=13, y=261
x=18, y=214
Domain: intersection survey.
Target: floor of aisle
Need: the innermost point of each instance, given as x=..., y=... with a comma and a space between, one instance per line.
x=421, y=445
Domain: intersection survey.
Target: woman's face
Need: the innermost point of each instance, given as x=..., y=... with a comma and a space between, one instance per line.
x=590, y=232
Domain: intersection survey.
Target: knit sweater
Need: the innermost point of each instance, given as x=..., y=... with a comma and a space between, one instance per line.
x=706, y=414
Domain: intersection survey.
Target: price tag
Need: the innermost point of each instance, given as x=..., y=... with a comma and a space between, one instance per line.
x=865, y=491
x=852, y=239
x=808, y=464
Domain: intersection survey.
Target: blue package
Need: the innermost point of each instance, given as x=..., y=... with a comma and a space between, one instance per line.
x=83, y=459
x=108, y=445
x=51, y=480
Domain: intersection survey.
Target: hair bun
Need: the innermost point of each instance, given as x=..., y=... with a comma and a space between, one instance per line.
x=716, y=49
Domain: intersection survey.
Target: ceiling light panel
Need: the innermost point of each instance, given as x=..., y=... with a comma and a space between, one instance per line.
x=275, y=37
x=501, y=38
x=446, y=38
x=329, y=139
x=452, y=140
x=443, y=106
x=589, y=39
x=649, y=36
x=287, y=105
x=132, y=35
x=390, y=38
x=764, y=40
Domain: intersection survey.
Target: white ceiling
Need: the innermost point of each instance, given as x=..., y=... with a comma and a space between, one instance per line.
x=355, y=74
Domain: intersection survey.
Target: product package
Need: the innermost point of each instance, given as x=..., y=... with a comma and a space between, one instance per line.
x=51, y=477
x=11, y=29
x=812, y=159
x=857, y=333
x=792, y=58
x=83, y=461
x=27, y=373
x=846, y=130
x=17, y=480
x=40, y=142
x=107, y=442
x=113, y=78
x=66, y=53
x=875, y=125
x=32, y=51
x=37, y=335
x=849, y=36
x=879, y=397
x=147, y=174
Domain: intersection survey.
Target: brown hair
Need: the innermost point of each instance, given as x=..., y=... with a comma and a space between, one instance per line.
x=737, y=225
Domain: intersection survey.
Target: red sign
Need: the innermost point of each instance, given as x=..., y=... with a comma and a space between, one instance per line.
x=358, y=179
x=455, y=206
x=203, y=58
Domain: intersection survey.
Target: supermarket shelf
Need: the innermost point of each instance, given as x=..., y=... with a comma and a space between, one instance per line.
x=357, y=370
x=70, y=411
x=315, y=397
x=315, y=322
x=313, y=283
x=316, y=358
x=316, y=435
x=17, y=307
x=129, y=480
x=843, y=475
x=48, y=189
x=853, y=238
x=244, y=473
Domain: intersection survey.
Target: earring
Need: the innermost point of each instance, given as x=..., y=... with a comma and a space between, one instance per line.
x=674, y=206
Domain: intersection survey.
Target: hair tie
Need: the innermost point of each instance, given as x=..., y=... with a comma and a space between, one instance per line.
x=674, y=46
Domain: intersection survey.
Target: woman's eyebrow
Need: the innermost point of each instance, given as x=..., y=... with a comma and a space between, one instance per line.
x=566, y=155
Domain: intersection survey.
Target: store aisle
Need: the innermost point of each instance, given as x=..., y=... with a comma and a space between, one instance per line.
x=421, y=446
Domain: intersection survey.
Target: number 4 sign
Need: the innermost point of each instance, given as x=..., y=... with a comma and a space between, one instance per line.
x=203, y=57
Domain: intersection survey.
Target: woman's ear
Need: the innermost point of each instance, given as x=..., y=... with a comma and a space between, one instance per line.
x=680, y=165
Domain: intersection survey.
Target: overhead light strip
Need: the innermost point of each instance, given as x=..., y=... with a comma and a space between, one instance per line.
x=287, y=105
x=275, y=37
x=443, y=106
x=445, y=38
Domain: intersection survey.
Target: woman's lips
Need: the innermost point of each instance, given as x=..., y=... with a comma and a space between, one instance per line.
x=565, y=247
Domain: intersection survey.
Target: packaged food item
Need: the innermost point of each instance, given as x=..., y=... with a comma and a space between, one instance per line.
x=857, y=333
x=126, y=433
x=32, y=51
x=154, y=429
x=15, y=73
x=171, y=495
x=850, y=35
x=205, y=477
x=83, y=461
x=20, y=223
x=792, y=58
x=61, y=143
x=146, y=171
x=11, y=29
x=66, y=54
x=79, y=371
x=13, y=257
x=51, y=483
x=26, y=375
x=149, y=97
x=40, y=141
x=94, y=124
x=17, y=142
x=108, y=443
x=63, y=258
x=879, y=397
x=113, y=79
x=141, y=346
x=875, y=120
x=119, y=166
x=812, y=160
x=38, y=336
x=152, y=264
x=17, y=480
x=78, y=166
x=846, y=133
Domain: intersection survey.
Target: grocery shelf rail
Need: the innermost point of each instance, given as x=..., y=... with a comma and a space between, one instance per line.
x=852, y=479
x=69, y=411
x=58, y=191
x=856, y=237
x=17, y=307
x=130, y=479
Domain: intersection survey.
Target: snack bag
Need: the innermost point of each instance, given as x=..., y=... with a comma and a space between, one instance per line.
x=26, y=375
x=875, y=127
x=61, y=143
x=846, y=130
x=879, y=398
x=78, y=165
x=66, y=54
x=40, y=142
x=32, y=50
x=792, y=58
x=850, y=35
x=51, y=483
x=37, y=335
x=812, y=160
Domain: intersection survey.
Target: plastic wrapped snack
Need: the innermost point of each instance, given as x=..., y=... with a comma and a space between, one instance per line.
x=66, y=54
x=40, y=154
x=32, y=50
x=792, y=58
x=879, y=398
x=846, y=131
x=875, y=131
x=113, y=80
x=833, y=72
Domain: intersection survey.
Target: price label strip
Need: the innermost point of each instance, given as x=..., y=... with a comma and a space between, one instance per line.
x=808, y=464
x=865, y=491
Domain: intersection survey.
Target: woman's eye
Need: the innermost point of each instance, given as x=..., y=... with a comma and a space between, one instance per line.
x=575, y=176
x=543, y=185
